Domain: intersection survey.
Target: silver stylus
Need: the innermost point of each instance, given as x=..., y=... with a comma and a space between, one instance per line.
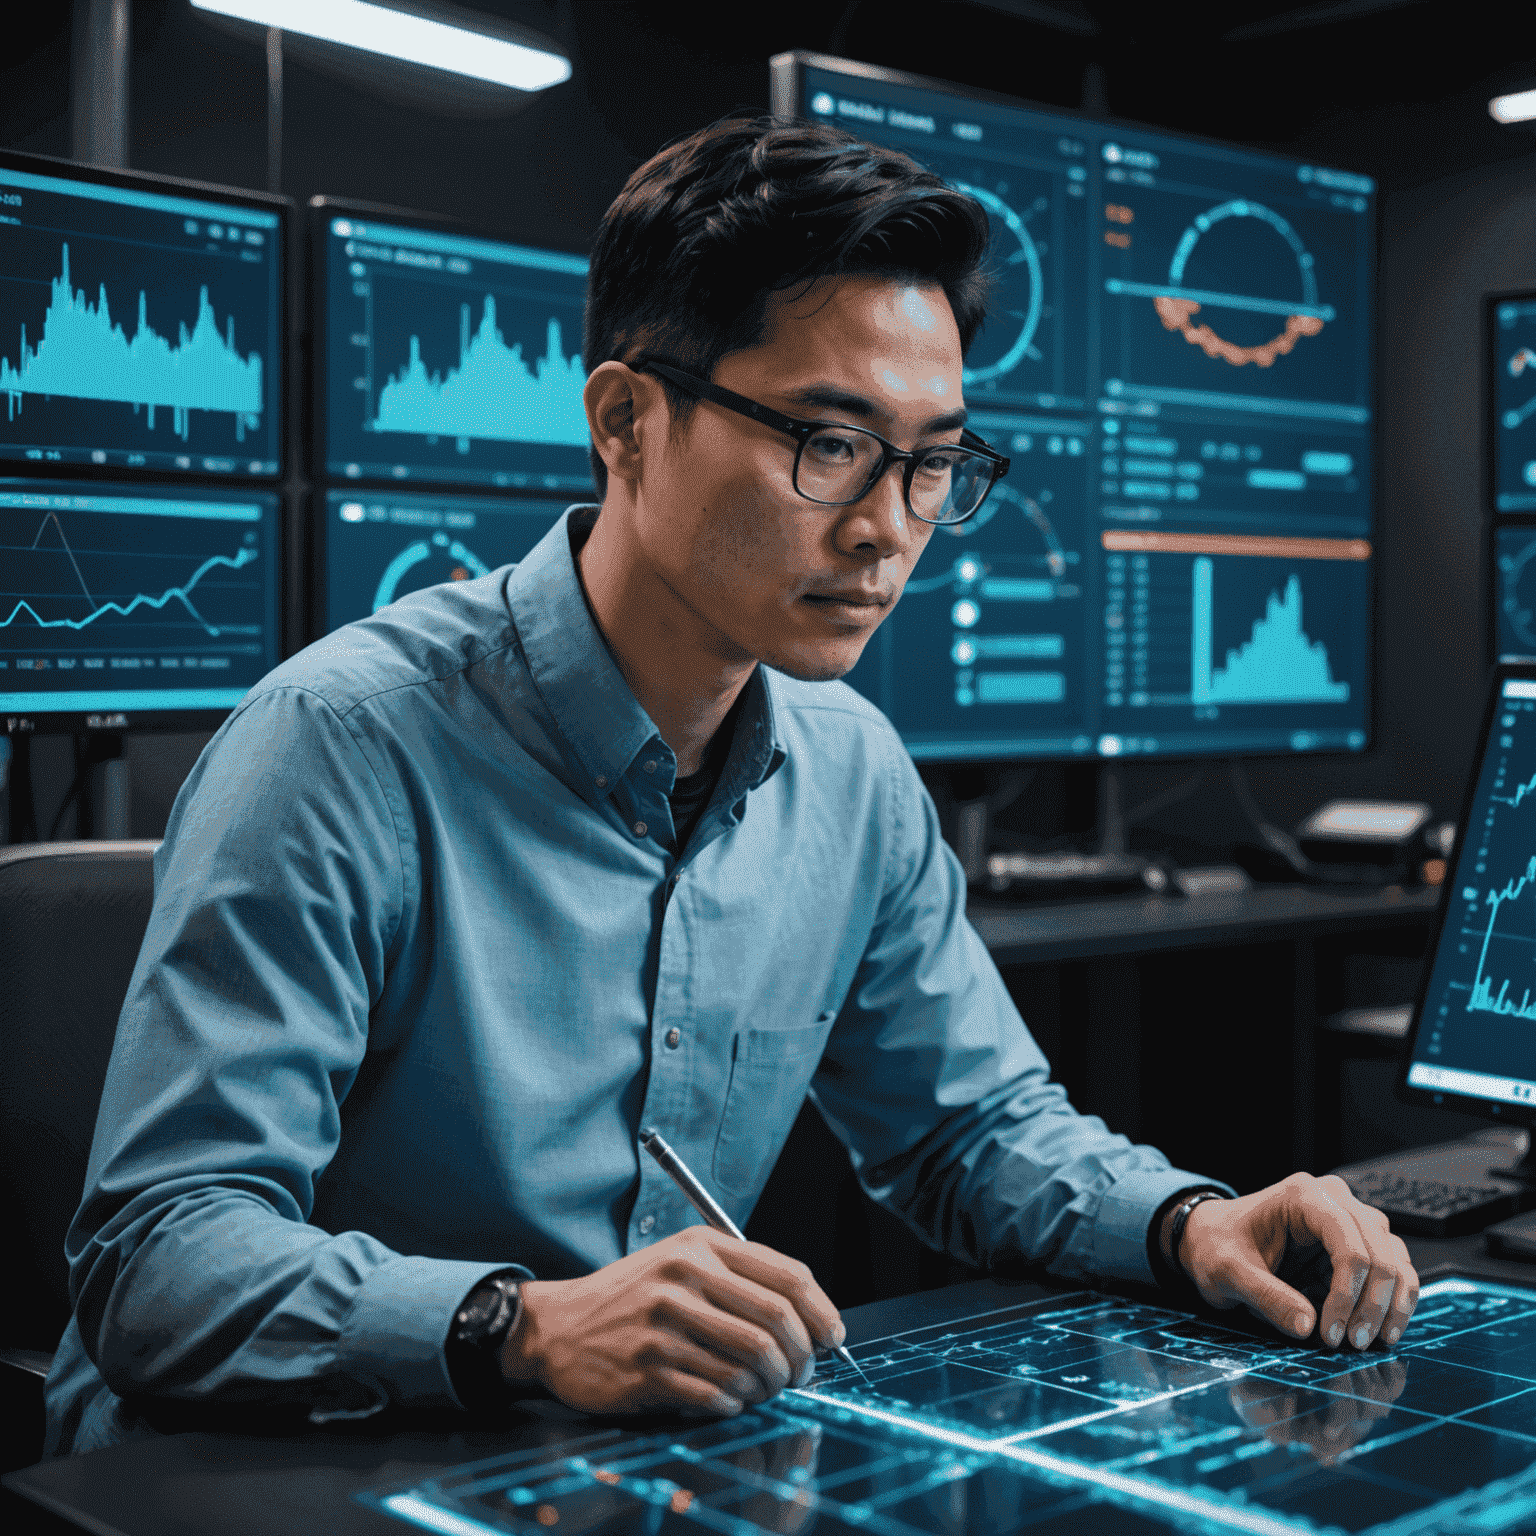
x=707, y=1207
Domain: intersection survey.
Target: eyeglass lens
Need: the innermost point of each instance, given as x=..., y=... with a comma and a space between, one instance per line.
x=947, y=484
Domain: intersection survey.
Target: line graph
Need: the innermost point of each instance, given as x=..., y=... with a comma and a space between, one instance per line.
x=1521, y=791
x=83, y=355
x=1483, y=999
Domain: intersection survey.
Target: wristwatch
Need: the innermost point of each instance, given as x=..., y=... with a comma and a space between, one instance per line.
x=480, y=1328
x=1181, y=1220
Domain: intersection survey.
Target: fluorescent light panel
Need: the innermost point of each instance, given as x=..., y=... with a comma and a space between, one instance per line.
x=1519, y=108
x=378, y=29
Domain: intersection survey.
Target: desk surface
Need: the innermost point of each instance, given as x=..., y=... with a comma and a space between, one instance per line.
x=1039, y=1415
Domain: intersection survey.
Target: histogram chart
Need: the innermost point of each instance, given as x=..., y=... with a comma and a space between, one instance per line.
x=116, y=600
x=1083, y=1414
x=1477, y=1031
x=452, y=360
x=1247, y=636
x=138, y=329
x=1514, y=404
x=381, y=545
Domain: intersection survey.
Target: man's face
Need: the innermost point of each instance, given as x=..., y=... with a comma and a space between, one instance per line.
x=774, y=577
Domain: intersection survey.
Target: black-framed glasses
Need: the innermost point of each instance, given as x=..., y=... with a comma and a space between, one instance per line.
x=837, y=464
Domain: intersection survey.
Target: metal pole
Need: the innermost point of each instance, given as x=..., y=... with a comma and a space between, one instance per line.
x=274, y=109
x=99, y=82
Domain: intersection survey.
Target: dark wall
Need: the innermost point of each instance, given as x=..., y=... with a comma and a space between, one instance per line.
x=1458, y=219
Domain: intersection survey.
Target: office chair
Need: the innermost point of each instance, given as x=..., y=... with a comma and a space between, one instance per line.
x=72, y=919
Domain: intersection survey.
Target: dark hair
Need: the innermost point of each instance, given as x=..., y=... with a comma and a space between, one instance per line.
x=703, y=233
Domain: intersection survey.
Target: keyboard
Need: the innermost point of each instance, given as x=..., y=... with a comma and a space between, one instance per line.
x=1431, y=1207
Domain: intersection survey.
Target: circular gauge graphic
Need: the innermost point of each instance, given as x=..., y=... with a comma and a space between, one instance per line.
x=1054, y=559
x=1177, y=310
x=451, y=561
x=1021, y=299
x=1517, y=592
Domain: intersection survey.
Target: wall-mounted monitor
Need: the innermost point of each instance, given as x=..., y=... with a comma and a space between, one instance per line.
x=1512, y=401
x=444, y=358
x=1178, y=363
x=374, y=546
x=1514, y=590
x=141, y=323
x=126, y=607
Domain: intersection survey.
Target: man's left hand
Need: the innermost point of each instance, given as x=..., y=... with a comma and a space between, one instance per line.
x=1232, y=1249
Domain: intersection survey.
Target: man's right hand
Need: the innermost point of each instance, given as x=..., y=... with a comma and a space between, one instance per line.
x=699, y=1322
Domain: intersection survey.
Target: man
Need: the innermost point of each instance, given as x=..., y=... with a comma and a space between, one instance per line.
x=467, y=893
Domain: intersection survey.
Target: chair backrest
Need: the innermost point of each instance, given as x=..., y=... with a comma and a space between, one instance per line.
x=72, y=920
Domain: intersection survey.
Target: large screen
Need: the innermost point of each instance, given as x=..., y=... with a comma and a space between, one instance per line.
x=1178, y=363
x=123, y=607
x=1514, y=603
x=379, y=545
x=447, y=359
x=1475, y=1036
x=140, y=326
x=1513, y=399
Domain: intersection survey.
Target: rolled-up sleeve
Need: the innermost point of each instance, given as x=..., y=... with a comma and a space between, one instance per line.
x=279, y=892
x=945, y=1101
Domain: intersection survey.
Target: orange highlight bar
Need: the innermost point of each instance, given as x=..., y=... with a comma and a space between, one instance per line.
x=1237, y=544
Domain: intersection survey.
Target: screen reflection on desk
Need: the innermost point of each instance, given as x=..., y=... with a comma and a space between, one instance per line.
x=1082, y=1413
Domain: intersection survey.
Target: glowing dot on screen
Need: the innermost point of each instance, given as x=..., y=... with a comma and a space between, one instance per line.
x=965, y=613
x=821, y=103
x=968, y=570
x=352, y=512
x=963, y=653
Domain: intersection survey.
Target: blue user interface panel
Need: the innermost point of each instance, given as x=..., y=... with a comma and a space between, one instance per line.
x=1514, y=404
x=138, y=329
x=452, y=360
x=122, y=603
x=1476, y=1034
x=379, y=545
x=1515, y=590
x=1084, y=1414
x=1178, y=364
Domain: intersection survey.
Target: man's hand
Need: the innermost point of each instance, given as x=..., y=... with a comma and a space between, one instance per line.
x=700, y=1322
x=1233, y=1248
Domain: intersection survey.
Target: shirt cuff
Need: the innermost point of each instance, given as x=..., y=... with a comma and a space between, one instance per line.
x=1123, y=1225
x=395, y=1334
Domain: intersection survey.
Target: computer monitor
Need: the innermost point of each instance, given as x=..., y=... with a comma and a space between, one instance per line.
x=375, y=546
x=1514, y=590
x=1473, y=1044
x=1512, y=401
x=130, y=607
x=1179, y=365
x=141, y=322
x=445, y=358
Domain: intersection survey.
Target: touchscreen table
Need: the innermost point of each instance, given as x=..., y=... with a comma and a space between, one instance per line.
x=1083, y=1413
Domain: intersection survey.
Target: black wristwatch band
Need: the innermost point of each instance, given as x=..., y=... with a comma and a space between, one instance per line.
x=1181, y=1220
x=480, y=1328
x=1172, y=1276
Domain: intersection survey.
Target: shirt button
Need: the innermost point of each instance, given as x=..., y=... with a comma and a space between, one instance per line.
x=602, y=781
x=674, y=1039
x=650, y=767
x=647, y=1222
x=639, y=829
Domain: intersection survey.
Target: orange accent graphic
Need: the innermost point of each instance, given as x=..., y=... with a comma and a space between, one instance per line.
x=1521, y=361
x=605, y=1476
x=547, y=1514
x=1114, y=237
x=1119, y=213
x=680, y=1501
x=1175, y=315
x=1237, y=544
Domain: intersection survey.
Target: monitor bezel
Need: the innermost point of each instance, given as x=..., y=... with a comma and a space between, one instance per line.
x=785, y=75
x=80, y=722
x=318, y=213
x=1491, y=302
x=1487, y=1109
x=282, y=369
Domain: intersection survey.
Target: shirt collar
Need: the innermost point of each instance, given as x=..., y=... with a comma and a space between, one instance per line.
x=574, y=671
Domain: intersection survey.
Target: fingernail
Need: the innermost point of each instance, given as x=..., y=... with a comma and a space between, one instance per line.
x=1335, y=1334
x=1302, y=1324
x=839, y=1334
x=1362, y=1336
x=1391, y=1335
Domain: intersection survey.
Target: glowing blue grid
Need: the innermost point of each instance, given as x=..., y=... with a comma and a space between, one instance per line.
x=1083, y=1413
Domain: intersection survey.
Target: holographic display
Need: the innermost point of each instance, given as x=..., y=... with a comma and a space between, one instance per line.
x=379, y=545
x=118, y=602
x=1082, y=1414
x=1514, y=404
x=1178, y=362
x=1515, y=590
x=451, y=360
x=138, y=328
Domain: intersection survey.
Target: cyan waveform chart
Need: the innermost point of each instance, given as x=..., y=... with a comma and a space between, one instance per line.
x=115, y=599
x=381, y=546
x=1514, y=404
x=1085, y=1414
x=1477, y=1032
x=453, y=360
x=138, y=330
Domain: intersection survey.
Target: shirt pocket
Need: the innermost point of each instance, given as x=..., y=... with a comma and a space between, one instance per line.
x=771, y=1069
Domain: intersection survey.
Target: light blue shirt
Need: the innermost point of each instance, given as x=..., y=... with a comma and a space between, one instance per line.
x=423, y=960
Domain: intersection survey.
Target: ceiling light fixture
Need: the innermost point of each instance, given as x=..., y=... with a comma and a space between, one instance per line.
x=1519, y=108
x=378, y=29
